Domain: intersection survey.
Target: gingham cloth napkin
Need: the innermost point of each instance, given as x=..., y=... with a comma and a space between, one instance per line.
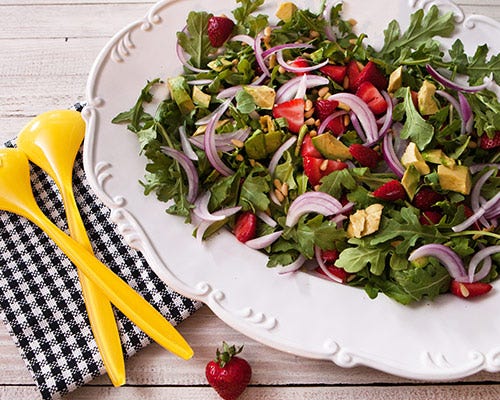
x=40, y=297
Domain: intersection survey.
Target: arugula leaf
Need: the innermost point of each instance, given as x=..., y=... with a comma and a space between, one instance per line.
x=423, y=27
x=354, y=259
x=247, y=7
x=405, y=225
x=334, y=183
x=415, y=127
x=255, y=189
x=195, y=42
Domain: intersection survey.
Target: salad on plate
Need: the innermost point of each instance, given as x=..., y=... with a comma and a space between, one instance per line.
x=372, y=167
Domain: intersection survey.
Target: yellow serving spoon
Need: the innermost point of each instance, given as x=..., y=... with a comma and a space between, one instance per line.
x=16, y=196
x=52, y=141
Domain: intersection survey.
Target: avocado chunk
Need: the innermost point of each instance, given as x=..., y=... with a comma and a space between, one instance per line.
x=457, y=179
x=395, y=80
x=200, y=98
x=437, y=156
x=412, y=156
x=410, y=181
x=426, y=103
x=177, y=87
x=263, y=96
x=330, y=147
x=260, y=144
x=285, y=11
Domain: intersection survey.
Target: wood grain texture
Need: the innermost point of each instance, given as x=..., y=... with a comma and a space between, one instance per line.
x=47, y=48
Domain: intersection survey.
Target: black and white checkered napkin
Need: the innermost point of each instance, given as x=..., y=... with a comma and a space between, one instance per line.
x=40, y=297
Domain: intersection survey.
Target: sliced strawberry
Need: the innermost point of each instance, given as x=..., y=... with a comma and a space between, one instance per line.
x=430, y=217
x=372, y=96
x=391, y=191
x=336, y=73
x=366, y=156
x=353, y=72
x=329, y=257
x=414, y=98
x=426, y=198
x=245, y=226
x=307, y=148
x=469, y=289
x=299, y=62
x=293, y=112
x=323, y=109
x=370, y=73
x=219, y=29
x=317, y=168
x=488, y=143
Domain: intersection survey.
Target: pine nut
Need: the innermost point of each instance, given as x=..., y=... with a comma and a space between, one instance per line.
x=323, y=91
x=309, y=121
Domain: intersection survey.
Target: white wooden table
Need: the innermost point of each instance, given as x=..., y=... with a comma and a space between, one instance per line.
x=46, y=51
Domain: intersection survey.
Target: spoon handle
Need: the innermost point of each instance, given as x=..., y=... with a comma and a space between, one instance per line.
x=128, y=301
x=99, y=310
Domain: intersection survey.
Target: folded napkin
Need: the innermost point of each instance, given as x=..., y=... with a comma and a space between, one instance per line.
x=40, y=297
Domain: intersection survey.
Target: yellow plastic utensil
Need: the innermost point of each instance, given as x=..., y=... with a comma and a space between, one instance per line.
x=16, y=196
x=52, y=141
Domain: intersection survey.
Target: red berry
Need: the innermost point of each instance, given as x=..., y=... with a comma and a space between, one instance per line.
x=336, y=73
x=245, y=226
x=299, y=62
x=323, y=109
x=307, y=148
x=391, y=191
x=219, y=29
x=372, y=97
x=366, y=156
x=469, y=289
x=227, y=374
x=293, y=112
x=426, y=198
x=317, y=168
x=488, y=143
x=430, y=217
x=370, y=73
x=353, y=72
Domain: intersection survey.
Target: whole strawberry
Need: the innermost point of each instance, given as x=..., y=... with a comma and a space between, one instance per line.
x=219, y=29
x=227, y=374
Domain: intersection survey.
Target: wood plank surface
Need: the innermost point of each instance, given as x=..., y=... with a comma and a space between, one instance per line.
x=47, y=48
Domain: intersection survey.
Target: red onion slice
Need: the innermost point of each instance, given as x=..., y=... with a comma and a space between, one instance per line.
x=266, y=219
x=220, y=109
x=317, y=202
x=327, y=120
x=186, y=145
x=330, y=32
x=294, y=266
x=209, y=143
x=263, y=241
x=258, y=54
x=390, y=156
x=188, y=167
x=279, y=48
x=486, y=207
x=476, y=259
x=363, y=113
x=279, y=153
x=288, y=90
x=204, y=225
x=387, y=121
x=454, y=85
x=200, y=82
x=298, y=70
x=243, y=38
x=466, y=112
x=445, y=255
x=223, y=141
x=322, y=265
x=201, y=209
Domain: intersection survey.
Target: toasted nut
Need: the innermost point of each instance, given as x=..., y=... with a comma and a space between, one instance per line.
x=472, y=145
x=284, y=189
x=313, y=133
x=267, y=31
x=347, y=120
x=237, y=143
x=344, y=106
x=308, y=105
x=324, y=165
x=324, y=90
x=309, y=114
x=352, y=21
x=317, y=123
x=239, y=157
x=314, y=34
x=309, y=121
x=277, y=183
x=281, y=70
x=463, y=290
x=279, y=195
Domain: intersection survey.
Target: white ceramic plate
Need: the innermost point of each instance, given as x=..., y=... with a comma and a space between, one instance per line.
x=298, y=313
